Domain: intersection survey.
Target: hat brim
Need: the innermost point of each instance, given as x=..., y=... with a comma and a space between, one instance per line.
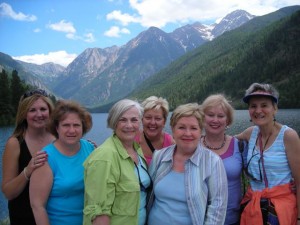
x=246, y=99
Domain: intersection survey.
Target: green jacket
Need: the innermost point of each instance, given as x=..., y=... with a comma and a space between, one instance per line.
x=111, y=186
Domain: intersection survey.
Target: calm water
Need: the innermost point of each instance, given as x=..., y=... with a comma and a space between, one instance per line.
x=100, y=132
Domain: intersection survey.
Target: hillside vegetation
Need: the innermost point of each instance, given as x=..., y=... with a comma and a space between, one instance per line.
x=233, y=61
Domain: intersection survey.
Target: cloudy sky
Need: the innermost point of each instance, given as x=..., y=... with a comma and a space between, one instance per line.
x=40, y=31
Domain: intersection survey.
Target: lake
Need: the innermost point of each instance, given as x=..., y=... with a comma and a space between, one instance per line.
x=100, y=132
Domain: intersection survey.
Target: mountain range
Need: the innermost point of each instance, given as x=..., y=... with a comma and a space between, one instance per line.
x=266, y=50
x=185, y=65
x=101, y=76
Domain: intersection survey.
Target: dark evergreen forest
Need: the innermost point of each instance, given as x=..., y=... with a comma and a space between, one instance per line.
x=11, y=89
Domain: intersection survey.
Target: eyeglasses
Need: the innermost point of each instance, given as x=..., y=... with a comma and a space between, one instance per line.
x=259, y=162
x=35, y=92
x=142, y=187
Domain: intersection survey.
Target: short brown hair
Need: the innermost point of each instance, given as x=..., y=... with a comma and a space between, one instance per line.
x=64, y=107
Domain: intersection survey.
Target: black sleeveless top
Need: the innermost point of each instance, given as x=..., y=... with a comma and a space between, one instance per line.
x=20, y=212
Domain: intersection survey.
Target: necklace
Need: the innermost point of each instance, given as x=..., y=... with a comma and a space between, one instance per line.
x=260, y=135
x=218, y=148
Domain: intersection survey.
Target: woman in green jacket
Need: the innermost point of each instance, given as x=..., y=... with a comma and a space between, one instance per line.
x=116, y=177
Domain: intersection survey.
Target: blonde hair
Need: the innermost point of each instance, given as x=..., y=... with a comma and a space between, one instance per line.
x=186, y=110
x=156, y=103
x=219, y=100
x=24, y=105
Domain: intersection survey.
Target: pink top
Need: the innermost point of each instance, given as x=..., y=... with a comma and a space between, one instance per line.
x=167, y=142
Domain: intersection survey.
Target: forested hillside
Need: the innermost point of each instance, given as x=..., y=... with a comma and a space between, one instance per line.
x=11, y=89
x=230, y=63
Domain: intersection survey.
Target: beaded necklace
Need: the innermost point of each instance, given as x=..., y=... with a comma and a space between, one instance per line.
x=218, y=148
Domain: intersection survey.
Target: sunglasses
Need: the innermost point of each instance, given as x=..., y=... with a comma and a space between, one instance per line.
x=142, y=187
x=35, y=92
x=259, y=162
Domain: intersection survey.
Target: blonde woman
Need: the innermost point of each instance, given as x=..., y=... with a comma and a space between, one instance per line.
x=153, y=136
x=22, y=153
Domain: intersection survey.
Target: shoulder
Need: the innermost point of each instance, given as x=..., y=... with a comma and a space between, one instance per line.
x=164, y=151
x=105, y=152
x=163, y=154
x=290, y=135
x=205, y=157
x=12, y=147
x=168, y=139
x=246, y=134
x=13, y=142
x=87, y=145
x=49, y=148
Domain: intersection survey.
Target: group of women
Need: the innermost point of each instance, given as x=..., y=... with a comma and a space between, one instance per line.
x=143, y=175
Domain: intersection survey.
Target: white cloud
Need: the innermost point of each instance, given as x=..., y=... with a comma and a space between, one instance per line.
x=37, y=30
x=60, y=57
x=63, y=26
x=115, y=31
x=72, y=36
x=160, y=13
x=89, y=37
x=7, y=11
x=124, y=18
x=67, y=27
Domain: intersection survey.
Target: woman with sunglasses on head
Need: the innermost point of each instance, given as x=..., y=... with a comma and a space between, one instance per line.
x=57, y=187
x=218, y=115
x=189, y=181
x=273, y=161
x=22, y=153
x=152, y=136
x=116, y=177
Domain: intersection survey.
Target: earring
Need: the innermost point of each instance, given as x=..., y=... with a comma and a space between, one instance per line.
x=274, y=119
x=250, y=120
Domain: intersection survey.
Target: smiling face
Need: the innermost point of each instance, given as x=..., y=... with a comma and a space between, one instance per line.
x=187, y=134
x=261, y=110
x=70, y=129
x=128, y=126
x=153, y=123
x=215, y=120
x=38, y=114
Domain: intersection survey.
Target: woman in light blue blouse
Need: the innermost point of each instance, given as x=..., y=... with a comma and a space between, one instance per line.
x=190, y=184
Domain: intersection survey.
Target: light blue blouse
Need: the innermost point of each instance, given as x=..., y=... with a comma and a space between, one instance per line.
x=171, y=204
x=205, y=183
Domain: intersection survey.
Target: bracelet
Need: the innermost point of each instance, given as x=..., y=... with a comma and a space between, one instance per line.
x=25, y=175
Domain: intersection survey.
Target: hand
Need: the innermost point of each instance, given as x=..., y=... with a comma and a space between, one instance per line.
x=37, y=161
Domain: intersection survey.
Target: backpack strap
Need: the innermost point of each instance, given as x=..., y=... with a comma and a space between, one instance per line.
x=242, y=146
x=149, y=143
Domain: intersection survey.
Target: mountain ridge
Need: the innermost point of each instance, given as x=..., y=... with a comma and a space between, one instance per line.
x=101, y=76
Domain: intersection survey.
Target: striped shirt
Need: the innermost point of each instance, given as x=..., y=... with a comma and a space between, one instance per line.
x=205, y=181
x=275, y=162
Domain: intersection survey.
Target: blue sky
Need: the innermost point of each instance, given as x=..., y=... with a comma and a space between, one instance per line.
x=40, y=31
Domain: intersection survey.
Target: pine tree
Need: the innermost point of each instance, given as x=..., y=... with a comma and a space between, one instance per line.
x=17, y=90
x=5, y=94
